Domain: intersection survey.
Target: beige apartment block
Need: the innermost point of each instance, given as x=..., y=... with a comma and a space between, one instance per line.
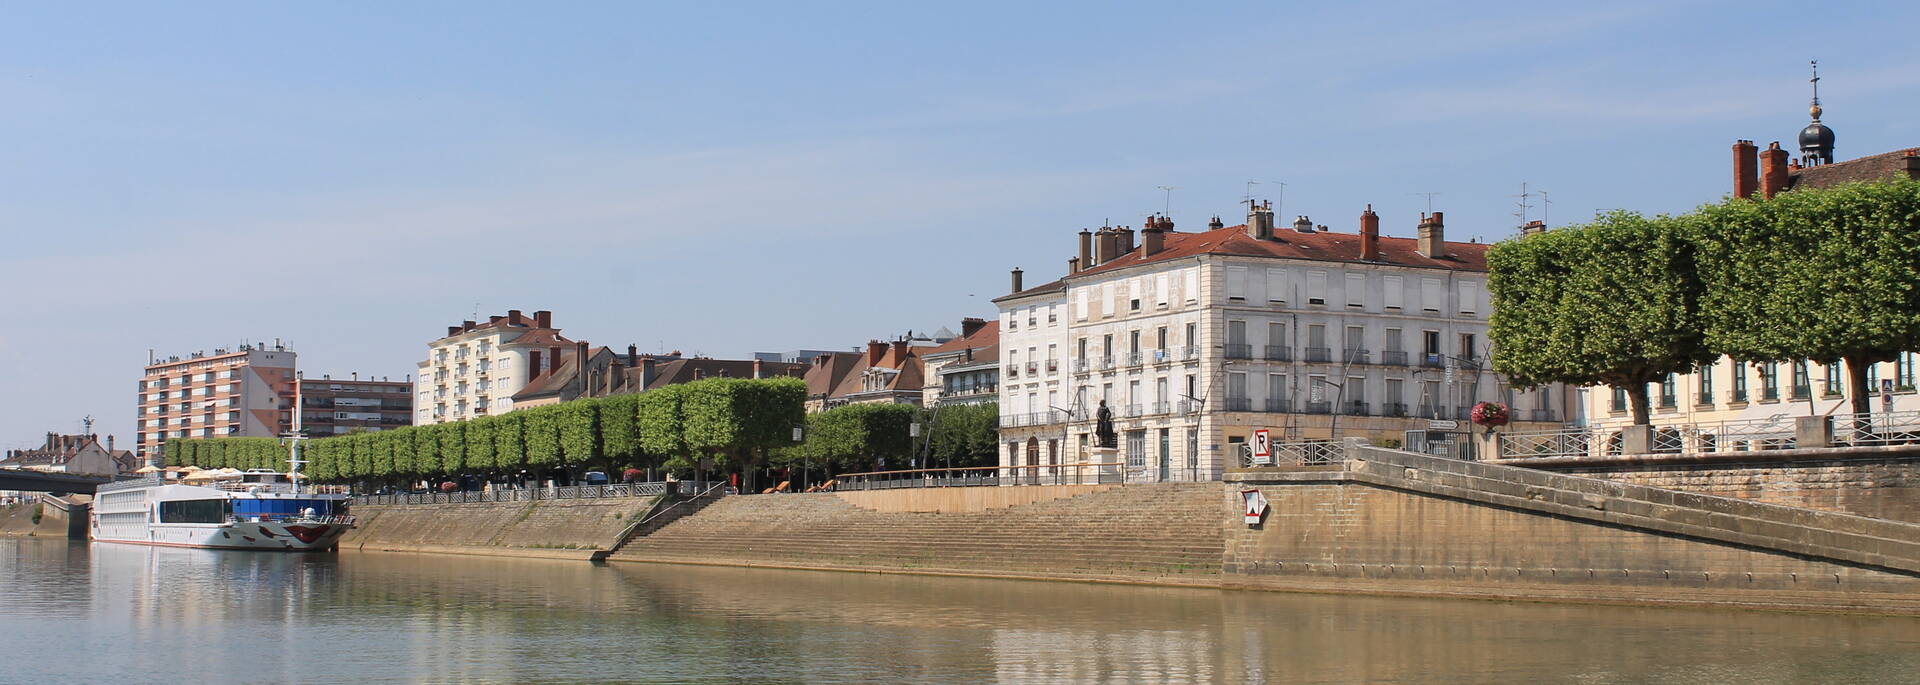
x=245, y=392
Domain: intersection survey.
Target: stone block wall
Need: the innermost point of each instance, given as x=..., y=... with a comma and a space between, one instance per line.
x=541, y=528
x=1880, y=486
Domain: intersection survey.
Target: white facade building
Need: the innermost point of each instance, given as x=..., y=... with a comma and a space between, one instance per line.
x=1195, y=340
x=476, y=369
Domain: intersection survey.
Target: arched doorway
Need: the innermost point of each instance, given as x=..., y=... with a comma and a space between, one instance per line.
x=1033, y=459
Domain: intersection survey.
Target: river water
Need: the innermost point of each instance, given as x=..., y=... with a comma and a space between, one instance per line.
x=105, y=613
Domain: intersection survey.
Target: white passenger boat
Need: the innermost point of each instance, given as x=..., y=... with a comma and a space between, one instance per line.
x=262, y=510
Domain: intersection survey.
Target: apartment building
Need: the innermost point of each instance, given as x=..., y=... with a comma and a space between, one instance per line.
x=243, y=392
x=478, y=366
x=966, y=368
x=330, y=406
x=1738, y=390
x=1195, y=340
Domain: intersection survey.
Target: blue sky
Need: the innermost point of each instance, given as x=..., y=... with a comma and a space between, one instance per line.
x=354, y=177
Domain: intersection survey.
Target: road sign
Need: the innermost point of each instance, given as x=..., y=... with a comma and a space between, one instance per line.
x=1262, y=445
x=1256, y=505
x=1443, y=425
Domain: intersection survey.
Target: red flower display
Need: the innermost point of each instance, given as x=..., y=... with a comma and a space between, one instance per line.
x=448, y=486
x=1491, y=414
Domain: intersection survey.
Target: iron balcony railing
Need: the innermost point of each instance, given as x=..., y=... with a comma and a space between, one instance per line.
x=1319, y=407
x=1033, y=368
x=1129, y=410
x=1135, y=359
x=1769, y=394
x=1186, y=406
x=1542, y=414
x=1162, y=407
x=1394, y=357
x=1394, y=409
x=1279, y=353
x=1239, y=404
x=1190, y=352
x=1358, y=408
x=1433, y=361
x=1053, y=365
x=1080, y=365
x=1355, y=355
x=1239, y=351
x=1106, y=363
x=1279, y=406
x=1319, y=355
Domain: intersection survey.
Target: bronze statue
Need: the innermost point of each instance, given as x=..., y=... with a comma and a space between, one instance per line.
x=1103, y=428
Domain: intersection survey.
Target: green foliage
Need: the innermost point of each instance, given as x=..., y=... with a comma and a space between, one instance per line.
x=660, y=422
x=1826, y=274
x=380, y=445
x=403, y=450
x=619, y=426
x=542, y=434
x=509, y=441
x=362, y=446
x=426, y=449
x=319, y=456
x=851, y=437
x=579, y=424
x=964, y=435
x=1615, y=301
x=482, y=453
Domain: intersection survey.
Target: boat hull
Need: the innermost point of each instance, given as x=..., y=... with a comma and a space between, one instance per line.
x=277, y=536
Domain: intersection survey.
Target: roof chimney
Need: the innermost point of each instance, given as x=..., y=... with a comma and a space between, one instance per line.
x=756, y=367
x=646, y=373
x=1152, y=238
x=971, y=325
x=1532, y=227
x=533, y=365
x=1216, y=223
x=633, y=354
x=900, y=350
x=1260, y=220
x=1745, y=172
x=1369, y=235
x=1102, y=246
x=1433, y=237
x=1773, y=170
x=1086, y=249
x=453, y=331
x=1126, y=241
x=1073, y=265
x=514, y=318
x=875, y=349
x=543, y=319
x=1017, y=273
x=1303, y=224
x=466, y=325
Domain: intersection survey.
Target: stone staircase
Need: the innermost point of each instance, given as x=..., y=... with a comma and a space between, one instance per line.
x=1170, y=533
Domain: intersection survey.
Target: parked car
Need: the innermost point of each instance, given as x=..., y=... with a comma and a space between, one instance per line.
x=597, y=478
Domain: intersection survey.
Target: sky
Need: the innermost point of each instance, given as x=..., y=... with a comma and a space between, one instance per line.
x=351, y=178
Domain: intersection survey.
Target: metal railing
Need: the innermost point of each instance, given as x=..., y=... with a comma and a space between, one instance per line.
x=1885, y=428
x=1190, y=352
x=1279, y=406
x=1239, y=404
x=1568, y=442
x=1295, y=454
x=1394, y=357
x=1279, y=353
x=1319, y=354
x=1358, y=408
x=1319, y=407
x=1084, y=473
x=1354, y=355
x=1239, y=351
x=1393, y=409
x=685, y=487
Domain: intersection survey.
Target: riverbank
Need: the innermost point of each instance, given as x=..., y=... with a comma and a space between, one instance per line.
x=576, y=529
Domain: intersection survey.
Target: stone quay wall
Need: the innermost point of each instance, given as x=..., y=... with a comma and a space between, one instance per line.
x=59, y=517
x=1875, y=482
x=566, y=529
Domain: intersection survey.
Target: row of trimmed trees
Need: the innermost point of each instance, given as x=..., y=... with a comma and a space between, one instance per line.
x=731, y=425
x=1827, y=275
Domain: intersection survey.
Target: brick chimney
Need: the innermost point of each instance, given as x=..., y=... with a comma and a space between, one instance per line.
x=633, y=354
x=1017, y=273
x=900, y=350
x=453, y=331
x=1533, y=227
x=1433, y=236
x=1302, y=224
x=1369, y=235
x=756, y=368
x=1152, y=238
x=466, y=325
x=971, y=325
x=514, y=318
x=646, y=373
x=1126, y=241
x=1086, y=249
x=1773, y=170
x=875, y=350
x=543, y=319
x=1073, y=265
x=1260, y=221
x=1216, y=224
x=1746, y=171
x=533, y=365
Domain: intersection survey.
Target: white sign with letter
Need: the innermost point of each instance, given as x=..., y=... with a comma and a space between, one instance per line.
x=1262, y=447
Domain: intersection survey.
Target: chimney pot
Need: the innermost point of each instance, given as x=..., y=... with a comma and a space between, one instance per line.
x=1369, y=235
x=1073, y=265
x=1773, y=170
x=1433, y=239
x=1260, y=221
x=1302, y=224
x=756, y=368
x=1086, y=249
x=1533, y=227
x=971, y=325
x=1016, y=280
x=543, y=319
x=466, y=325
x=1153, y=239
x=514, y=318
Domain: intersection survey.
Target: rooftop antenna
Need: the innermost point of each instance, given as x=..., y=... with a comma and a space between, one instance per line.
x=87, y=425
x=1248, y=198
x=1546, y=206
x=1522, y=204
x=1429, y=196
x=476, y=311
x=1168, y=207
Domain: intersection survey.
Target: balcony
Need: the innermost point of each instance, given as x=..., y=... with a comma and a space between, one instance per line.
x=1279, y=353
x=1467, y=362
x=1433, y=360
x=1396, y=409
x=1239, y=351
x=1770, y=395
x=1106, y=363
x=1354, y=355
x=1186, y=406
x=1190, y=353
x=1130, y=410
x=1359, y=408
x=1239, y=404
x=1428, y=411
x=1394, y=357
x=1319, y=407
x=1279, y=406
x=1319, y=355
x=1033, y=368
x=1080, y=365
x=1541, y=415
x=1012, y=371
x=1161, y=407
x=1135, y=359
x=1053, y=365
x=1162, y=356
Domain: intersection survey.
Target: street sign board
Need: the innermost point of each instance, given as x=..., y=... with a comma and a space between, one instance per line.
x=1262, y=445
x=1443, y=425
x=1256, y=505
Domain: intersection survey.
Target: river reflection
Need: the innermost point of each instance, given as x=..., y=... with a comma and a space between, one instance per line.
x=118, y=613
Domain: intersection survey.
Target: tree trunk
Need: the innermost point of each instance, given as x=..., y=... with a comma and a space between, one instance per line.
x=1637, y=397
x=1859, y=396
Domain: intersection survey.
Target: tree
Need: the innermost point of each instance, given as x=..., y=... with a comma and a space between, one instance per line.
x=403, y=451
x=579, y=428
x=426, y=451
x=619, y=437
x=1615, y=301
x=737, y=419
x=854, y=436
x=660, y=425
x=963, y=435
x=1825, y=274
x=541, y=426
x=509, y=442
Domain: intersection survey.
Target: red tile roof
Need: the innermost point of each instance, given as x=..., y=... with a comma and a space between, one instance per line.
x=988, y=335
x=1324, y=246
x=1880, y=167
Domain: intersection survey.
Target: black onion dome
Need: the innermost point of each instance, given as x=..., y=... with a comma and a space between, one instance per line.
x=1816, y=136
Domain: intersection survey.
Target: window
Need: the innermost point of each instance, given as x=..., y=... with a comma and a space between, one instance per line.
x=1802, y=383
x=1395, y=288
x=1133, y=342
x=1193, y=334
x=194, y=511
x=1236, y=284
x=1769, y=382
x=1430, y=295
x=1903, y=371
x=1236, y=386
x=1080, y=308
x=1469, y=298
x=1705, y=374
x=1834, y=379
x=1080, y=348
x=1160, y=290
x=1053, y=313
x=1619, y=400
x=1160, y=338
x=1317, y=287
x=1356, y=338
x=1277, y=285
x=1469, y=346
x=1277, y=392
x=1668, y=392
x=1356, y=291
x=1192, y=287
x=1739, y=382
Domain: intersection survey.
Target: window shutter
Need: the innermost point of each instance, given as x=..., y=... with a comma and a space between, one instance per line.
x=1192, y=293
x=1469, y=297
x=1237, y=282
x=1316, y=287
x=1160, y=289
x=1430, y=294
x=1276, y=285
x=1356, y=290
x=1396, y=288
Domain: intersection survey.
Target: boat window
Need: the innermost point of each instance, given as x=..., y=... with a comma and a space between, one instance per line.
x=194, y=511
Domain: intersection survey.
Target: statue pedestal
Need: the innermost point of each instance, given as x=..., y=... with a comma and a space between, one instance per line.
x=1109, y=460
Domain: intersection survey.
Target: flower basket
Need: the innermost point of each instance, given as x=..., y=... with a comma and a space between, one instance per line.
x=1491, y=414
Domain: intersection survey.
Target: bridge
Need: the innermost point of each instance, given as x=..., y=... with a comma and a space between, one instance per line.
x=41, y=481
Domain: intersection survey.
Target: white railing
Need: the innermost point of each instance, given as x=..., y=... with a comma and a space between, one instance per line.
x=1743, y=435
x=1567, y=442
x=685, y=487
x=1296, y=454
x=1885, y=428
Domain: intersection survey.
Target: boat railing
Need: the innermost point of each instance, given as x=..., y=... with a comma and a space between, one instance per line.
x=342, y=520
x=651, y=489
